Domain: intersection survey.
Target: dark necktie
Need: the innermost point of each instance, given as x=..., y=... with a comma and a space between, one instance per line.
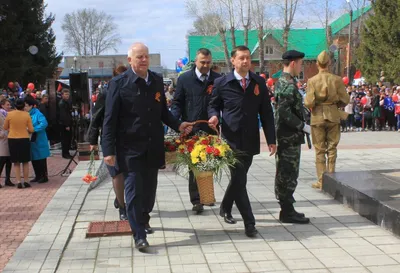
x=244, y=82
x=204, y=77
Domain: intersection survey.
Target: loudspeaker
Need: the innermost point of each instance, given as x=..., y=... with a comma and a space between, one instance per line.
x=79, y=85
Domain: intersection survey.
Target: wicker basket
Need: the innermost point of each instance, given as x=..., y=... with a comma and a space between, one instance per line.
x=170, y=157
x=205, y=184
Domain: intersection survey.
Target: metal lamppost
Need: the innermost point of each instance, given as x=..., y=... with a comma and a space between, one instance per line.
x=350, y=38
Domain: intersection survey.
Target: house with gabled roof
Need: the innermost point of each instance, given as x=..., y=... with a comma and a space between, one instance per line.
x=311, y=41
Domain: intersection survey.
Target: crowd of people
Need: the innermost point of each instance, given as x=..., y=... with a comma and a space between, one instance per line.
x=23, y=137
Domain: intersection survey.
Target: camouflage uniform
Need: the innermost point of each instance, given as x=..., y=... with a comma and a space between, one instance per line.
x=289, y=131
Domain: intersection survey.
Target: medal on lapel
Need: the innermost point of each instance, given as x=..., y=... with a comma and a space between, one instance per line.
x=209, y=89
x=158, y=95
x=256, y=90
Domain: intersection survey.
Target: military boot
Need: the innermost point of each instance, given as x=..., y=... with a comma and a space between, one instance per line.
x=289, y=215
x=321, y=168
x=300, y=214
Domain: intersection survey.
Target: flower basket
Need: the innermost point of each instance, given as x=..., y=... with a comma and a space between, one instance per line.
x=205, y=185
x=205, y=155
x=171, y=143
x=170, y=157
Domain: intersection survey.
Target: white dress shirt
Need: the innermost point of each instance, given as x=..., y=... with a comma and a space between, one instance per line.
x=200, y=76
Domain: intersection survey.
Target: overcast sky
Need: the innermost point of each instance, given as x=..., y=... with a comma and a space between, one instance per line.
x=161, y=24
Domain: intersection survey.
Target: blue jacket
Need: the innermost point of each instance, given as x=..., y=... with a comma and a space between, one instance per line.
x=40, y=148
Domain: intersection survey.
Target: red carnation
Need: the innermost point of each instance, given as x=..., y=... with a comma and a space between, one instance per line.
x=190, y=149
x=167, y=143
x=205, y=142
x=182, y=151
x=195, y=137
x=209, y=150
x=217, y=152
x=171, y=148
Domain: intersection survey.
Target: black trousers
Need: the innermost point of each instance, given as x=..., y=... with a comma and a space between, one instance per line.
x=6, y=161
x=66, y=138
x=40, y=168
x=193, y=190
x=237, y=192
x=140, y=196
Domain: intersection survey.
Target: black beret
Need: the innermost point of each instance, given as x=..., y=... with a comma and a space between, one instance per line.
x=292, y=55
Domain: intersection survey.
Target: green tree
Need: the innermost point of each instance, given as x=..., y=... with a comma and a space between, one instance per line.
x=380, y=43
x=23, y=23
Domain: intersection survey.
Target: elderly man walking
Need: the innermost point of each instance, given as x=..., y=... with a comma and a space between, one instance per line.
x=135, y=110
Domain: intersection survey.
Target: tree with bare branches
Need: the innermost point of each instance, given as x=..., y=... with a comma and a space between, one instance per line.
x=89, y=32
x=245, y=18
x=198, y=8
x=259, y=15
x=288, y=9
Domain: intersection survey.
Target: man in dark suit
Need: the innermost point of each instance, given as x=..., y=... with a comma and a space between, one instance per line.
x=192, y=96
x=65, y=121
x=241, y=96
x=135, y=110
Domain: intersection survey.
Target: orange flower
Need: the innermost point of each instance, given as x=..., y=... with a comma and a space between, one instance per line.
x=158, y=95
x=256, y=90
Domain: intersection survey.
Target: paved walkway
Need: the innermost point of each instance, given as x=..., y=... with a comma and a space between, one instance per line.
x=337, y=240
x=20, y=209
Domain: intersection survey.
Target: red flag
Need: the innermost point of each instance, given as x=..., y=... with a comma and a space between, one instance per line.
x=357, y=75
x=59, y=88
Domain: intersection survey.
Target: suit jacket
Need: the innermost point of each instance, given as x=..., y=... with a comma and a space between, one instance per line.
x=97, y=118
x=134, y=113
x=325, y=94
x=240, y=110
x=192, y=97
x=65, y=113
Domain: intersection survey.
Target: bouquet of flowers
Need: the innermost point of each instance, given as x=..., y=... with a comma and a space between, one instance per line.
x=90, y=176
x=206, y=156
x=171, y=143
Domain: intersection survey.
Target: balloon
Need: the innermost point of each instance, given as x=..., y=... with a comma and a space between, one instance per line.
x=181, y=65
x=263, y=76
x=364, y=100
x=178, y=69
x=185, y=60
x=11, y=85
x=94, y=98
x=179, y=62
x=345, y=80
x=270, y=82
x=31, y=86
x=395, y=98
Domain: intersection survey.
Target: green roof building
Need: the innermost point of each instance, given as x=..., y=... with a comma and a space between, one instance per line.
x=310, y=41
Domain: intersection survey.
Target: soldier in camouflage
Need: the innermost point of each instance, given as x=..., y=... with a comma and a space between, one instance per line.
x=290, y=129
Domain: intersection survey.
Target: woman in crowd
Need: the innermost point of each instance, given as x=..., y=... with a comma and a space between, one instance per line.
x=93, y=135
x=368, y=120
x=5, y=107
x=40, y=150
x=19, y=126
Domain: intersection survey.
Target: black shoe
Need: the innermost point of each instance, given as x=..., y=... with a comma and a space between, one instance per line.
x=300, y=214
x=45, y=179
x=122, y=214
x=292, y=217
x=27, y=185
x=228, y=218
x=141, y=244
x=42, y=180
x=36, y=179
x=9, y=183
x=1, y=186
x=67, y=156
x=199, y=208
x=148, y=229
x=19, y=186
x=250, y=231
x=116, y=204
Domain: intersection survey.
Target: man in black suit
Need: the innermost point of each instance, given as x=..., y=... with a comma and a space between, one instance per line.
x=135, y=110
x=192, y=96
x=65, y=121
x=241, y=96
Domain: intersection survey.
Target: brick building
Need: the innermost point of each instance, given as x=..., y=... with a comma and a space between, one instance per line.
x=309, y=41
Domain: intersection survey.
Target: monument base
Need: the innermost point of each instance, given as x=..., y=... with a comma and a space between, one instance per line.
x=375, y=195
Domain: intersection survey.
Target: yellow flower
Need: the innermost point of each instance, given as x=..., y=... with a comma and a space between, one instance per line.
x=178, y=141
x=195, y=159
x=203, y=156
x=181, y=147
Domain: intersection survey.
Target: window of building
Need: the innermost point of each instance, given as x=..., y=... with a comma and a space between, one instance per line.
x=269, y=50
